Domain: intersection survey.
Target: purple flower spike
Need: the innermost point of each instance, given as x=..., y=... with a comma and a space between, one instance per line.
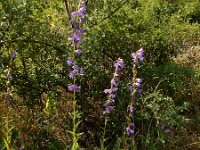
x=137, y=84
x=139, y=90
x=112, y=96
x=74, y=24
x=131, y=109
x=112, y=100
x=69, y=61
x=108, y=109
x=82, y=9
x=113, y=82
x=140, y=54
x=115, y=89
x=108, y=91
x=74, y=87
x=71, y=75
x=75, y=14
x=130, y=129
x=117, y=71
x=131, y=88
x=134, y=88
x=80, y=31
x=82, y=14
x=76, y=68
x=119, y=63
x=133, y=55
x=138, y=80
x=75, y=38
x=108, y=105
x=78, y=51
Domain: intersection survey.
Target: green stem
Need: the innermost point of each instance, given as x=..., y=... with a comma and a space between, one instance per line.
x=74, y=122
x=74, y=111
x=104, y=132
x=134, y=72
x=106, y=117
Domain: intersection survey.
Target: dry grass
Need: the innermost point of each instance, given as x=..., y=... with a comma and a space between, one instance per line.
x=189, y=58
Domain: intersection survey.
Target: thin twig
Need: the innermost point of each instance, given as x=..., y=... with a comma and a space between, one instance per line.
x=30, y=41
x=110, y=15
x=67, y=9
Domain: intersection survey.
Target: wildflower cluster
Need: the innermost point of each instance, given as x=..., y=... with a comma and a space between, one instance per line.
x=109, y=104
x=134, y=88
x=77, y=19
x=9, y=76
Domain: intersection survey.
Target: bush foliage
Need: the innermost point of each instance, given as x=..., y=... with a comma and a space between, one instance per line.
x=39, y=115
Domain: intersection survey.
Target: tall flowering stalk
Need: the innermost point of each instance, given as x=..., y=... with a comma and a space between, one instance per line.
x=8, y=96
x=77, y=19
x=134, y=88
x=109, y=104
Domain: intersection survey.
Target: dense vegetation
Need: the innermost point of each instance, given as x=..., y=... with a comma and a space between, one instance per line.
x=38, y=110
